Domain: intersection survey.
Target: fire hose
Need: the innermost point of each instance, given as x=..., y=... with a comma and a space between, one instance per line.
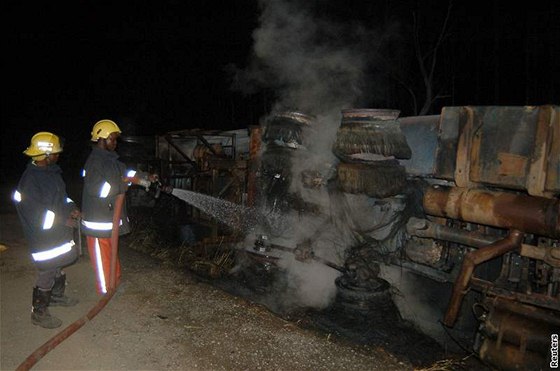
x=73, y=327
x=304, y=253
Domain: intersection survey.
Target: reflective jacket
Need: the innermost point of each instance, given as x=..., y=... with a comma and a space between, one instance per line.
x=43, y=208
x=103, y=181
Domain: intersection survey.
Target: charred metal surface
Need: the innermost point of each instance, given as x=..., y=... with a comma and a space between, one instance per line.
x=536, y=299
x=367, y=114
x=286, y=134
x=452, y=122
x=552, y=183
x=463, y=178
x=425, y=251
x=375, y=179
x=254, y=164
x=371, y=131
x=544, y=170
x=464, y=145
x=517, y=336
x=509, y=147
x=287, y=129
x=471, y=260
x=536, y=215
x=509, y=357
x=500, y=153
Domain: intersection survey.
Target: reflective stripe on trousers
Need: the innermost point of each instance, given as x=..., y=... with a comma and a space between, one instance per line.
x=53, y=252
x=100, y=257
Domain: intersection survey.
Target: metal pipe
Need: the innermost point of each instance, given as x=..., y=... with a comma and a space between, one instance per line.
x=34, y=357
x=427, y=229
x=529, y=214
x=470, y=261
x=293, y=250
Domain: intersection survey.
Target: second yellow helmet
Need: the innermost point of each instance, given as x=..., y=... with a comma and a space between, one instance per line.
x=104, y=128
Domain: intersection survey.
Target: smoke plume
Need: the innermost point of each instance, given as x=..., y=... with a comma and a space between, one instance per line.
x=315, y=66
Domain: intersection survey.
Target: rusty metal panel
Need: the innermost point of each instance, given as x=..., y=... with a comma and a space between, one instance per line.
x=552, y=183
x=515, y=148
x=517, y=336
x=451, y=124
x=502, y=145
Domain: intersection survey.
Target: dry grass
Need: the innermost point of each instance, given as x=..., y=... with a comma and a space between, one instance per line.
x=211, y=258
x=449, y=364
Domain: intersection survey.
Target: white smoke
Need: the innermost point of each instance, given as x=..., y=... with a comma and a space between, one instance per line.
x=310, y=66
x=317, y=67
x=308, y=283
x=314, y=65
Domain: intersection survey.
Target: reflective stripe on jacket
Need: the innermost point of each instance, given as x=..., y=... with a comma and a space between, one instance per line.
x=103, y=174
x=43, y=208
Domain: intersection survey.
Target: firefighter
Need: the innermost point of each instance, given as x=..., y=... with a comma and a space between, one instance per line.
x=105, y=178
x=48, y=217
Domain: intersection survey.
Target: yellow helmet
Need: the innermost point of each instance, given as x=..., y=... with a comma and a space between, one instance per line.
x=42, y=145
x=103, y=128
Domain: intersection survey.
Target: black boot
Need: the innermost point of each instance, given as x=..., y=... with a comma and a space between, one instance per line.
x=58, y=298
x=40, y=312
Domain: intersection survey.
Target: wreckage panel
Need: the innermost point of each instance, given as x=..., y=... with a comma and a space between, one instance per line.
x=422, y=136
x=552, y=183
x=452, y=120
x=502, y=145
x=510, y=147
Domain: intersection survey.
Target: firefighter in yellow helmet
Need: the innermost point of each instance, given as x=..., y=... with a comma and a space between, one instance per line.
x=43, y=145
x=48, y=217
x=103, y=130
x=105, y=178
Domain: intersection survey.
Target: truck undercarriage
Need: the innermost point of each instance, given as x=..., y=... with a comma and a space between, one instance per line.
x=458, y=213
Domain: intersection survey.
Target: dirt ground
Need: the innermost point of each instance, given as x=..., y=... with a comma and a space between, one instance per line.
x=161, y=319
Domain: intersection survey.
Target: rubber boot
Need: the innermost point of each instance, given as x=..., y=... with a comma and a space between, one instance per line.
x=58, y=298
x=40, y=312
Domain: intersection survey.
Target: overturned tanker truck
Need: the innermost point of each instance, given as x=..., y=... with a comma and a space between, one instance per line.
x=458, y=212
x=481, y=185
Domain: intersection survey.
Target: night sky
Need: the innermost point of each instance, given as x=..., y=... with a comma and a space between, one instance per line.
x=155, y=66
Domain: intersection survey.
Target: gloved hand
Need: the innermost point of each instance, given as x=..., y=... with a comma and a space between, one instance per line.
x=142, y=179
x=157, y=188
x=74, y=218
x=75, y=214
x=167, y=189
x=144, y=182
